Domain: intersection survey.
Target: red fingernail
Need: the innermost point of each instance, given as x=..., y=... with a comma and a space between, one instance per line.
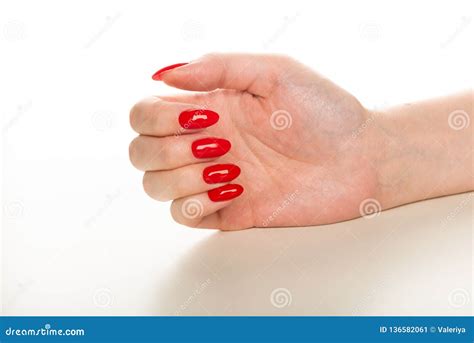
x=210, y=147
x=220, y=173
x=226, y=192
x=157, y=76
x=197, y=119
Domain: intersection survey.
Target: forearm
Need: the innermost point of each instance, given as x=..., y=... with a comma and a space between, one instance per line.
x=424, y=149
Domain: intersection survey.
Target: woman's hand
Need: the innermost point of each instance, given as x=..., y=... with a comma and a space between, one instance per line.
x=307, y=151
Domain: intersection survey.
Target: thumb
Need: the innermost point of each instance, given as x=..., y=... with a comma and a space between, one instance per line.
x=256, y=74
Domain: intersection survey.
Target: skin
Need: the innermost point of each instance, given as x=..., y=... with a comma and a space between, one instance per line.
x=336, y=161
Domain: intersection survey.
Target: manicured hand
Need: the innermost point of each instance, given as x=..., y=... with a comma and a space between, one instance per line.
x=265, y=141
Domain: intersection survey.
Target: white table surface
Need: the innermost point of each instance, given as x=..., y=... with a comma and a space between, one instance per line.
x=81, y=240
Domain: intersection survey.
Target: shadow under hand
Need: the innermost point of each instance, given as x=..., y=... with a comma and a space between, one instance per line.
x=402, y=262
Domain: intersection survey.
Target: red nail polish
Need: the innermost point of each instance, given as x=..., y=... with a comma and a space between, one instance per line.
x=210, y=147
x=220, y=173
x=197, y=119
x=157, y=76
x=226, y=192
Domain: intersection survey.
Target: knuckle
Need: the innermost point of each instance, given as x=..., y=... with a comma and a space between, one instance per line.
x=153, y=186
x=219, y=61
x=135, y=115
x=147, y=183
x=135, y=152
x=153, y=112
x=164, y=156
x=142, y=112
x=163, y=196
x=180, y=189
x=283, y=58
x=210, y=56
x=177, y=215
x=183, y=187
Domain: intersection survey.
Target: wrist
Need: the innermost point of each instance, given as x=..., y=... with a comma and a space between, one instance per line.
x=391, y=158
x=418, y=155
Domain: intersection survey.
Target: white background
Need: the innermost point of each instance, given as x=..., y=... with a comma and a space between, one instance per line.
x=79, y=235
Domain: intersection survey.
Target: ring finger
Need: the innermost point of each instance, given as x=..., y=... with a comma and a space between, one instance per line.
x=197, y=178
